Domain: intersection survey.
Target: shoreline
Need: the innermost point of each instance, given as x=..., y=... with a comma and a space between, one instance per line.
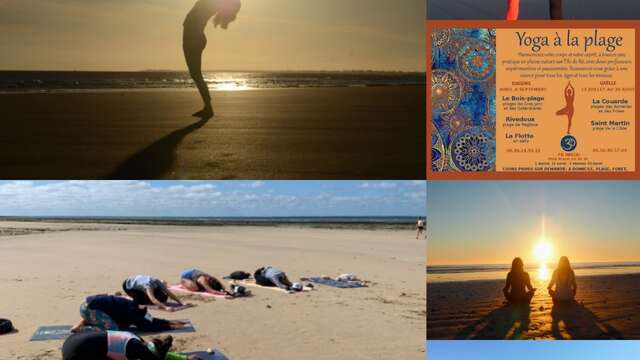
x=317, y=224
x=66, y=267
x=606, y=307
x=189, y=89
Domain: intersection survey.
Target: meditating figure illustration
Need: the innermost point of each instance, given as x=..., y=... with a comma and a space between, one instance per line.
x=518, y=288
x=513, y=9
x=564, y=281
x=194, y=41
x=569, y=96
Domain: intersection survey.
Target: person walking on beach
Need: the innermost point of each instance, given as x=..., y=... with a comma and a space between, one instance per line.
x=513, y=9
x=564, y=280
x=518, y=288
x=420, y=225
x=194, y=41
x=570, y=97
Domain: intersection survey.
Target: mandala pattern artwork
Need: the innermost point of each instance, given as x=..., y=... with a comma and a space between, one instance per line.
x=463, y=100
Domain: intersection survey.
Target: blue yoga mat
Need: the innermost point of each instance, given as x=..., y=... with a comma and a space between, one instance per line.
x=61, y=332
x=337, y=284
x=217, y=355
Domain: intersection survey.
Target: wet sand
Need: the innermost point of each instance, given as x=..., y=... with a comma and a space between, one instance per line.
x=607, y=307
x=45, y=275
x=320, y=133
x=532, y=9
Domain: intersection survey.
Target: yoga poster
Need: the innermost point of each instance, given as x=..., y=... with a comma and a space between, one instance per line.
x=565, y=100
x=533, y=100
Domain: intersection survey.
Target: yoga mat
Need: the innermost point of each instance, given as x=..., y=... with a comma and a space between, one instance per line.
x=336, y=283
x=252, y=283
x=217, y=355
x=174, y=305
x=179, y=289
x=61, y=332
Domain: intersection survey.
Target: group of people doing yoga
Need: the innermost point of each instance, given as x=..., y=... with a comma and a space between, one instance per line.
x=102, y=332
x=562, y=287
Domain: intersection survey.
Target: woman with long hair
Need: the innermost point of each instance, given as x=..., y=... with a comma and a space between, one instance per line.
x=564, y=280
x=194, y=41
x=518, y=288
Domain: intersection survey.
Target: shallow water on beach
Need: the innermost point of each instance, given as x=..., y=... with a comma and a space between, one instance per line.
x=45, y=81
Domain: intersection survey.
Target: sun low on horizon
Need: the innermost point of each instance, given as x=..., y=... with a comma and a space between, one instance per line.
x=543, y=251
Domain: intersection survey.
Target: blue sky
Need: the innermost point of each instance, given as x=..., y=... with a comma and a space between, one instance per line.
x=533, y=350
x=212, y=198
x=488, y=222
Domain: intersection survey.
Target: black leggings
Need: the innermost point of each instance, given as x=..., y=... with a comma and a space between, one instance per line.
x=140, y=297
x=94, y=346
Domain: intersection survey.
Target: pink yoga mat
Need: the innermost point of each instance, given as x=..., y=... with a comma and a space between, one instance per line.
x=179, y=289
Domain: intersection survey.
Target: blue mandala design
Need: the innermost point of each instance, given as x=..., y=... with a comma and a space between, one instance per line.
x=477, y=60
x=473, y=151
x=463, y=99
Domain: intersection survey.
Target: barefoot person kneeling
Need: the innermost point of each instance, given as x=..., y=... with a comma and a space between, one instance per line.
x=119, y=345
x=147, y=290
x=518, y=288
x=108, y=312
x=196, y=280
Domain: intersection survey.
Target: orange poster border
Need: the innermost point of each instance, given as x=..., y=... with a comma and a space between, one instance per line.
x=531, y=24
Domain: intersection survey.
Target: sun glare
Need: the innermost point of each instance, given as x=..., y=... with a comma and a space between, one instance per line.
x=543, y=251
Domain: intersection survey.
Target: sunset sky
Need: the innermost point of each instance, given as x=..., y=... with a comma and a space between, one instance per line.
x=492, y=222
x=268, y=35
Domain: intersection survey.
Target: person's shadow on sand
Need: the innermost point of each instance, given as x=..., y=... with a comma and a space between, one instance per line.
x=155, y=160
x=509, y=321
x=571, y=320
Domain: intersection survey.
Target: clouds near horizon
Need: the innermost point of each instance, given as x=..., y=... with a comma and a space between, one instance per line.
x=211, y=198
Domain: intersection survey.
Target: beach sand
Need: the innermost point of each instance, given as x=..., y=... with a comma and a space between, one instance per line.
x=607, y=307
x=532, y=9
x=46, y=274
x=315, y=133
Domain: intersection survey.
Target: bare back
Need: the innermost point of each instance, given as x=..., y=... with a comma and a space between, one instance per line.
x=200, y=14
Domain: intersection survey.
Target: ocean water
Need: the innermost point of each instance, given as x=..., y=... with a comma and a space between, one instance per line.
x=347, y=220
x=47, y=81
x=448, y=273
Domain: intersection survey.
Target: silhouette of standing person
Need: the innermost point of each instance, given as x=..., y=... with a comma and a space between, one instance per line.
x=569, y=96
x=194, y=41
x=513, y=9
